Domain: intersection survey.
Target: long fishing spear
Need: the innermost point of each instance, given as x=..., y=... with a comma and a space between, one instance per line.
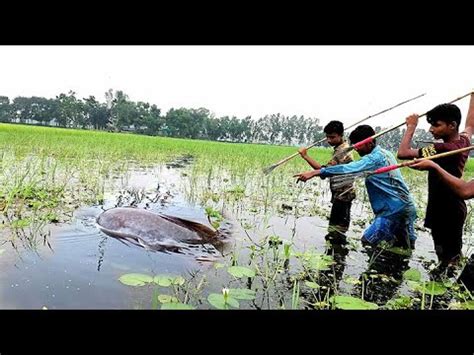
x=370, y=139
x=343, y=179
x=269, y=169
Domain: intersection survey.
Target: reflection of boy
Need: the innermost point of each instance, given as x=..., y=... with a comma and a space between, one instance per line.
x=340, y=216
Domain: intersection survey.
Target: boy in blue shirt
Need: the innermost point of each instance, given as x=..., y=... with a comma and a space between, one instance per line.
x=392, y=203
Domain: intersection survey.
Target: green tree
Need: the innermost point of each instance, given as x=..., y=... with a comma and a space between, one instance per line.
x=5, y=109
x=70, y=111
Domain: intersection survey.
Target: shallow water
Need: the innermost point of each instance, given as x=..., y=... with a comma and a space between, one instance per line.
x=82, y=268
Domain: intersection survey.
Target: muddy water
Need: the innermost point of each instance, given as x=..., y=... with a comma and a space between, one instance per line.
x=81, y=270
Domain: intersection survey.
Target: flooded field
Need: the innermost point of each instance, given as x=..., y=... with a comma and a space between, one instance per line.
x=272, y=252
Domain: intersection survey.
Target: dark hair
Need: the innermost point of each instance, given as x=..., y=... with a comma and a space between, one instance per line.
x=334, y=127
x=361, y=132
x=445, y=112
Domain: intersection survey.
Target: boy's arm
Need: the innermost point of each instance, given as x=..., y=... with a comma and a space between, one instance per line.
x=307, y=175
x=304, y=154
x=364, y=164
x=469, y=129
x=405, y=151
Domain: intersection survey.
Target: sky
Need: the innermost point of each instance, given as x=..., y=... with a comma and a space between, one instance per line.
x=345, y=83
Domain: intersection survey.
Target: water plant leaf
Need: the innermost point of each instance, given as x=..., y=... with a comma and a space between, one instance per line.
x=176, y=306
x=241, y=271
x=178, y=280
x=414, y=285
x=467, y=305
x=311, y=284
x=2, y=251
x=400, y=251
x=402, y=302
x=349, y=302
x=242, y=293
x=352, y=280
x=218, y=265
x=167, y=299
x=432, y=288
x=412, y=274
x=163, y=280
x=218, y=301
x=315, y=260
x=135, y=279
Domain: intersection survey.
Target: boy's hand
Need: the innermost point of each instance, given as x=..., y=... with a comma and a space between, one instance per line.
x=307, y=175
x=412, y=120
x=424, y=165
x=303, y=151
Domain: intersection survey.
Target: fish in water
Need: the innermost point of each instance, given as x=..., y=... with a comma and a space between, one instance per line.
x=155, y=231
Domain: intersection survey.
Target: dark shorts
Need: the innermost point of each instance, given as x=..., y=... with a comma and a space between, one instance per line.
x=340, y=217
x=447, y=235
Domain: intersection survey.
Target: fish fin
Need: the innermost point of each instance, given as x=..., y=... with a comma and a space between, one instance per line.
x=195, y=226
x=120, y=236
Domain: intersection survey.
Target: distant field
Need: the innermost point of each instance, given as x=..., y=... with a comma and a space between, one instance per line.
x=83, y=145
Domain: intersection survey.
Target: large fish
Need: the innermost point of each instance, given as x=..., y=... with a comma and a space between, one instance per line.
x=155, y=231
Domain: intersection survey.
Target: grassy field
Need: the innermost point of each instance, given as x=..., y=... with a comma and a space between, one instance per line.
x=83, y=145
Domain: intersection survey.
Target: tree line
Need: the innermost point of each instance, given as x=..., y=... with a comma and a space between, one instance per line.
x=118, y=113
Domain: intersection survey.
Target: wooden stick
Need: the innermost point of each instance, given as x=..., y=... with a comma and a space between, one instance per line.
x=411, y=162
x=408, y=163
x=370, y=139
x=281, y=162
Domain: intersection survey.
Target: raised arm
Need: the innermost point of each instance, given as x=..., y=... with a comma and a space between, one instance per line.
x=462, y=188
x=469, y=129
x=304, y=154
x=405, y=151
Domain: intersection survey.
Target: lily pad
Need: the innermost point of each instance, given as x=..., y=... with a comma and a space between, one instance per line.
x=179, y=280
x=402, y=302
x=349, y=302
x=242, y=293
x=135, y=279
x=218, y=301
x=163, y=280
x=412, y=275
x=241, y=271
x=176, y=306
x=167, y=299
x=432, y=288
x=317, y=261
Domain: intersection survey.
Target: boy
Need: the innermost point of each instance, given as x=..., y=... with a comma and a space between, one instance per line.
x=389, y=197
x=340, y=216
x=463, y=189
x=445, y=211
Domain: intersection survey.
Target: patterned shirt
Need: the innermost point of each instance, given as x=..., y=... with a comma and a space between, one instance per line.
x=338, y=157
x=388, y=193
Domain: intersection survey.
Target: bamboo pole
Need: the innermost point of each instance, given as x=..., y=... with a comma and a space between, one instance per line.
x=269, y=169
